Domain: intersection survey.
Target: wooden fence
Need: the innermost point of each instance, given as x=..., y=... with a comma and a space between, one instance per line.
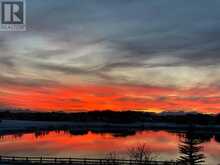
x=9, y=160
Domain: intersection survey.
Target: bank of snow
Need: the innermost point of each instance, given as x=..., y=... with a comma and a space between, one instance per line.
x=18, y=126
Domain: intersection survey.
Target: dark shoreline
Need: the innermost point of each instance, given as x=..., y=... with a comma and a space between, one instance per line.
x=10, y=127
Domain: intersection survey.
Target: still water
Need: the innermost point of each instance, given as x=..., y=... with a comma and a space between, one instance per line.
x=64, y=144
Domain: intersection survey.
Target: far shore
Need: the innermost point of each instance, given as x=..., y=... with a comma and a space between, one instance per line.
x=23, y=126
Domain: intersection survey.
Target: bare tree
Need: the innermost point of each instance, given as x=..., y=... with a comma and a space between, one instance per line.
x=111, y=158
x=141, y=153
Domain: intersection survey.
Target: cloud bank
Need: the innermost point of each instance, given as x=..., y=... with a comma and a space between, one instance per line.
x=164, y=44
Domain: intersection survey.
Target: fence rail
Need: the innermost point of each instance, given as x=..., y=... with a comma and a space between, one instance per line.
x=9, y=160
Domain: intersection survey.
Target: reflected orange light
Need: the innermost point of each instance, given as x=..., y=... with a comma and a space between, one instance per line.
x=163, y=144
x=84, y=145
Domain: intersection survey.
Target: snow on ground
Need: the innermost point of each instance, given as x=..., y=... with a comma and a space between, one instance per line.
x=14, y=126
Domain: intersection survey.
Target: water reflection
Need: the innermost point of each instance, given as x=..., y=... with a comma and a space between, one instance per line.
x=217, y=138
x=191, y=148
x=203, y=136
x=95, y=143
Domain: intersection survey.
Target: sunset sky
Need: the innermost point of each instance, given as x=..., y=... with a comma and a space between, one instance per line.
x=80, y=55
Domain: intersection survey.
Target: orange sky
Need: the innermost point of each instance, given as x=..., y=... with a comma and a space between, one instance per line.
x=153, y=59
x=114, y=97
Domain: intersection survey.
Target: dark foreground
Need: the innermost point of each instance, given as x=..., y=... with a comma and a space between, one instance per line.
x=6, y=160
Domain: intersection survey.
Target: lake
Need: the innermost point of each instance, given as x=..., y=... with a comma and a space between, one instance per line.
x=164, y=144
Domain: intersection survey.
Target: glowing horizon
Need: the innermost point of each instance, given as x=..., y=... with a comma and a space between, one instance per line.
x=118, y=98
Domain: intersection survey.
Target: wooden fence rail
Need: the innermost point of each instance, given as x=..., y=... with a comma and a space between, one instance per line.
x=10, y=160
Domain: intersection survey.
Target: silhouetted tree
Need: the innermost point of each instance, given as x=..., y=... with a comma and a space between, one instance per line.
x=217, y=138
x=141, y=153
x=191, y=149
x=110, y=158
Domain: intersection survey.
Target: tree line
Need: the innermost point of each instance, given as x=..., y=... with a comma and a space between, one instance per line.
x=109, y=116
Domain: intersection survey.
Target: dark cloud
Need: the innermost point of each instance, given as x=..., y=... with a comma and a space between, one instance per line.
x=26, y=82
x=62, y=68
x=159, y=34
x=73, y=100
x=47, y=54
x=132, y=99
x=7, y=61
